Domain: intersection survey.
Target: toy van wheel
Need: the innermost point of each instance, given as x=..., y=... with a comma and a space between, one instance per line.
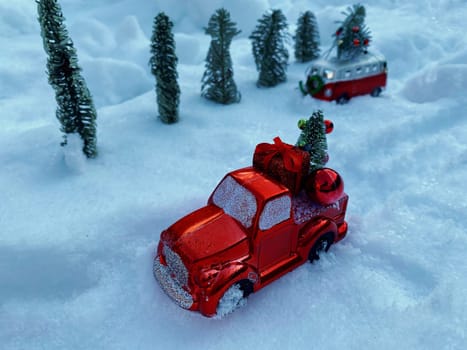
x=234, y=298
x=343, y=99
x=376, y=92
x=321, y=246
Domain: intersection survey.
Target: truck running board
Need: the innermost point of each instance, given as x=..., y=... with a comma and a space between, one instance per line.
x=277, y=270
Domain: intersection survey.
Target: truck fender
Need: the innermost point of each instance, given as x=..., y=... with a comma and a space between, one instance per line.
x=227, y=274
x=314, y=229
x=230, y=274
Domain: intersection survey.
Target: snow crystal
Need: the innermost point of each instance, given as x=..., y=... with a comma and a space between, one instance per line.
x=236, y=201
x=95, y=37
x=112, y=81
x=230, y=301
x=73, y=153
x=441, y=80
x=189, y=49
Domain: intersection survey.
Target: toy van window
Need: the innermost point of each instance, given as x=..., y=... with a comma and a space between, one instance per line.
x=367, y=69
x=358, y=71
x=236, y=201
x=375, y=67
x=275, y=211
x=347, y=74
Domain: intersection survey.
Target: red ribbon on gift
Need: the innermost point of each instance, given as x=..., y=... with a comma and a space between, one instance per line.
x=292, y=160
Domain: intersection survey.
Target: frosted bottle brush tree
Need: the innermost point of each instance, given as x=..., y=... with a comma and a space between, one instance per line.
x=269, y=50
x=306, y=44
x=218, y=83
x=163, y=63
x=75, y=109
x=313, y=139
x=352, y=37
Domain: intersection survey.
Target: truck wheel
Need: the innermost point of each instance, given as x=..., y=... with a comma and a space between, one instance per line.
x=376, y=92
x=234, y=298
x=342, y=99
x=321, y=246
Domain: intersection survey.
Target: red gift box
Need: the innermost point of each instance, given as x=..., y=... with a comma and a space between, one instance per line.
x=283, y=162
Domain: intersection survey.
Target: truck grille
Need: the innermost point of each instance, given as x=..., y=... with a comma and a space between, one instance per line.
x=171, y=286
x=176, y=266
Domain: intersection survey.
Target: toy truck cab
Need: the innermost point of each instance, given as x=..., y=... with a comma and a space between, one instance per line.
x=251, y=232
x=333, y=79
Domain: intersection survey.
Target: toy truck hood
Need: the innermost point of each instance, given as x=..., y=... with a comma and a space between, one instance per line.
x=205, y=232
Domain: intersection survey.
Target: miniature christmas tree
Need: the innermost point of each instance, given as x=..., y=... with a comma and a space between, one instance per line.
x=306, y=38
x=218, y=84
x=163, y=64
x=269, y=51
x=313, y=139
x=352, y=37
x=75, y=110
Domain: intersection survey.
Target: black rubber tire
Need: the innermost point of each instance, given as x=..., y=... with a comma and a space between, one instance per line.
x=376, y=92
x=322, y=245
x=343, y=99
x=247, y=287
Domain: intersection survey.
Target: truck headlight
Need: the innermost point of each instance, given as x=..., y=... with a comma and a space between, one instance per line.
x=328, y=74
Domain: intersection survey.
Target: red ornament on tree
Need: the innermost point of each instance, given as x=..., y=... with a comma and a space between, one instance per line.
x=339, y=31
x=355, y=29
x=329, y=125
x=356, y=42
x=366, y=41
x=324, y=186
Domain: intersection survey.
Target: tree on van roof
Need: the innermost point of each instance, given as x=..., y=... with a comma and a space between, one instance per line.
x=352, y=38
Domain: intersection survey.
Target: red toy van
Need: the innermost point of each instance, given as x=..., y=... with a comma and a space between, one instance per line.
x=333, y=79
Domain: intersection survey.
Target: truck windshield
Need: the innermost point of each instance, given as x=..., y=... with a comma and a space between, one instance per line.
x=236, y=201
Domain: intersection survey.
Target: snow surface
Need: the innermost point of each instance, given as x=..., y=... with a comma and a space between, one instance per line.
x=77, y=238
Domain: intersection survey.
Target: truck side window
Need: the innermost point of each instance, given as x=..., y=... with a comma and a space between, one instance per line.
x=358, y=71
x=275, y=211
x=347, y=74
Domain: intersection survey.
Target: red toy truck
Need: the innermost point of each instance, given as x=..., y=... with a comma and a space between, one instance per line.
x=251, y=232
x=333, y=79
